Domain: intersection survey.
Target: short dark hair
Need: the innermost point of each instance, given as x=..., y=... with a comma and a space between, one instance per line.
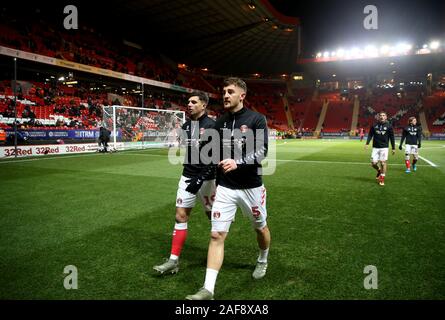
x=383, y=112
x=410, y=119
x=203, y=96
x=235, y=81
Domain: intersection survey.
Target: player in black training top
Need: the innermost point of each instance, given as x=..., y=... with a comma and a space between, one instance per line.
x=243, y=135
x=197, y=180
x=381, y=134
x=413, y=135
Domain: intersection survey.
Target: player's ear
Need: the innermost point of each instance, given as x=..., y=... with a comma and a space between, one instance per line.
x=242, y=96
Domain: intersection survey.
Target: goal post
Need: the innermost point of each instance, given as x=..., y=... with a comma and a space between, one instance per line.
x=141, y=128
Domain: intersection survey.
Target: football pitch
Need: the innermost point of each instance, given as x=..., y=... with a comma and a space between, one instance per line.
x=111, y=216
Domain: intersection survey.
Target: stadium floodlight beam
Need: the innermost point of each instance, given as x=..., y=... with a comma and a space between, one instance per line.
x=356, y=53
x=355, y=50
x=403, y=48
x=385, y=49
x=340, y=53
x=434, y=45
x=371, y=51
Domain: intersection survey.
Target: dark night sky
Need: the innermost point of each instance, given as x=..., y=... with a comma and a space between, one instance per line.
x=327, y=25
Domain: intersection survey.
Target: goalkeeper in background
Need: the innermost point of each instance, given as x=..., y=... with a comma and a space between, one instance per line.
x=104, y=138
x=197, y=180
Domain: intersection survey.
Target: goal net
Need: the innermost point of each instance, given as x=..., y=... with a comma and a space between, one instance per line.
x=140, y=128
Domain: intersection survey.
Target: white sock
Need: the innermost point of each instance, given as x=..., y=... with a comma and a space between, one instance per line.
x=173, y=257
x=262, y=257
x=210, y=280
x=181, y=226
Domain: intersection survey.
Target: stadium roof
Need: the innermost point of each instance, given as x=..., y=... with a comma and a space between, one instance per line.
x=225, y=36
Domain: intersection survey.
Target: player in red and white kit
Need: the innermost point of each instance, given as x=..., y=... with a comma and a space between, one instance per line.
x=197, y=180
x=239, y=182
x=381, y=134
x=413, y=135
x=362, y=134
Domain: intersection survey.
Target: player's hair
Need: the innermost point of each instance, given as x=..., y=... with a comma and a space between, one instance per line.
x=383, y=113
x=410, y=119
x=203, y=96
x=235, y=81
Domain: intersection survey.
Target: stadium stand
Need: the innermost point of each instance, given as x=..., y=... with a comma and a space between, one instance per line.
x=267, y=98
x=434, y=107
x=87, y=47
x=44, y=104
x=338, y=116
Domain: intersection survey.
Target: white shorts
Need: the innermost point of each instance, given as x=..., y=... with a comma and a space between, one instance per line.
x=206, y=194
x=251, y=201
x=379, y=154
x=411, y=149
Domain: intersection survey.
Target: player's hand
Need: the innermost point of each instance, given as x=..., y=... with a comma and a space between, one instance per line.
x=194, y=184
x=366, y=147
x=400, y=147
x=228, y=165
x=393, y=152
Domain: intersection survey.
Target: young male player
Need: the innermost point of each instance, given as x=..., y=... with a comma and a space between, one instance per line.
x=239, y=182
x=197, y=180
x=413, y=135
x=362, y=134
x=381, y=133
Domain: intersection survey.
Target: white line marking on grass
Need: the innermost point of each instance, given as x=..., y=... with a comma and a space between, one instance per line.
x=437, y=147
x=293, y=160
x=338, y=162
x=50, y=158
x=426, y=160
x=271, y=160
x=429, y=162
x=127, y=152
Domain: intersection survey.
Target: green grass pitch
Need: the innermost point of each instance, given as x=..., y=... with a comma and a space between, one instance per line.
x=112, y=215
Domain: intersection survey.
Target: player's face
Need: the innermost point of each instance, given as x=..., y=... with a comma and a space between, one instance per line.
x=414, y=121
x=382, y=117
x=233, y=97
x=196, y=107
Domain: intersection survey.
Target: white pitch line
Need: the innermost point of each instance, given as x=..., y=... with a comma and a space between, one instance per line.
x=339, y=162
x=292, y=160
x=429, y=162
x=426, y=160
x=270, y=160
x=50, y=158
x=437, y=147
x=13, y=160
